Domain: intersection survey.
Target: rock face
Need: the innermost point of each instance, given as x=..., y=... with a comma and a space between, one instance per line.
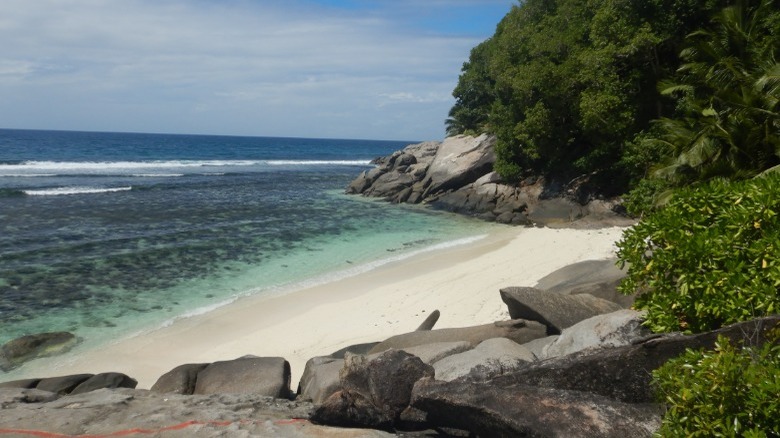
x=555, y=311
x=457, y=175
x=267, y=376
x=131, y=412
x=180, y=380
x=74, y=384
x=17, y=351
x=490, y=357
x=374, y=391
x=517, y=330
x=624, y=373
x=493, y=410
x=599, y=278
x=603, y=331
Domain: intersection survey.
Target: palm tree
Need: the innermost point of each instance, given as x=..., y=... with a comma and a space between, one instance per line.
x=729, y=92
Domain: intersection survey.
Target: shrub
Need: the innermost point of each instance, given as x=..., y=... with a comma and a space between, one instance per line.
x=727, y=392
x=709, y=257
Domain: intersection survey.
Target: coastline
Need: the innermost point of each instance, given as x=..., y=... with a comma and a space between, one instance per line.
x=462, y=282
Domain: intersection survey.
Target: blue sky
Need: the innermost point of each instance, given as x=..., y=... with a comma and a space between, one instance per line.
x=377, y=69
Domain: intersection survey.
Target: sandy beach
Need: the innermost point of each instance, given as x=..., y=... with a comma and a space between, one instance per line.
x=462, y=282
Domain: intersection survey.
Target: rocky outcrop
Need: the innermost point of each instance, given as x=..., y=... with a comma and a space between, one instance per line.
x=599, y=278
x=555, y=311
x=493, y=410
x=180, y=380
x=457, y=175
x=320, y=377
x=490, y=357
x=624, y=373
x=374, y=392
x=268, y=376
x=132, y=412
x=74, y=384
x=517, y=330
x=20, y=350
x=603, y=331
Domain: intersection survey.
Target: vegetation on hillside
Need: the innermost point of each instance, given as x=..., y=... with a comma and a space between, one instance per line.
x=672, y=89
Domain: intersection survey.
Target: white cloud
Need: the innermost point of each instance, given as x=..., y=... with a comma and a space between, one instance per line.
x=286, y=68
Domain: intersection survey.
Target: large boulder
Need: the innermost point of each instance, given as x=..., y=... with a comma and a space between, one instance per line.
x=518, y=330
x=491, y=357
x=374, y=391
x=320, y=379
x=624, y=373
x=20, y=350
x=180, y=380
x=105, y=381
x=599, y=278
x=555, y=311
x=603, y=331
x=268, y=376
x=493, y=410
x=62, y=385
x=459, y=161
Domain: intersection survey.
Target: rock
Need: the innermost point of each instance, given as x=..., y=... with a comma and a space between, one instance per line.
x=320, y=379
x=180, y=380
x=459, y=161
x=23, y=384
x=624, y=373
x=62, y=385
x=374, y=391
x=518, y=330
x=268, y=376
x=431, y=353
x=354, y=349
x=537, y=346
x=599, y=278
x=492, y=410
x=603, y=331
x=390, y=184
x=555, y=311
x=429, y=322
x=105, y=381
x=10, y=396
x=490, y=358
x=132, y=412
x=17, y=351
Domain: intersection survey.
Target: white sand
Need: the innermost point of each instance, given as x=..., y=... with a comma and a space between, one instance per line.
x=461, y=282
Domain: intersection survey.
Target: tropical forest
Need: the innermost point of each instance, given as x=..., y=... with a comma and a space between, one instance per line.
x=673, y=105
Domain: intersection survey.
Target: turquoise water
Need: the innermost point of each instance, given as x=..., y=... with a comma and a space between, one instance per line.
x=106, y=235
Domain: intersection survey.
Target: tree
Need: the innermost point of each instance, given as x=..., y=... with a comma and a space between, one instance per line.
x=728, y=93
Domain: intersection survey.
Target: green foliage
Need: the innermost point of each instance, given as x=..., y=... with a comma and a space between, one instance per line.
x=709, y=257
x=564, y=84
x=728, y=97
x=728, y=392
x=645, y=197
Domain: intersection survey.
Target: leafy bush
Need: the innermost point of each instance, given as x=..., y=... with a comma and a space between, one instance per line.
x=726, y=392
x=709, y=258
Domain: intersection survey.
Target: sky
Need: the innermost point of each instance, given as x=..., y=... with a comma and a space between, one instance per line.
x=366, y=69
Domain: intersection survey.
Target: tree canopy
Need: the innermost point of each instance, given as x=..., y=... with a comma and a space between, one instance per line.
x=571, y=87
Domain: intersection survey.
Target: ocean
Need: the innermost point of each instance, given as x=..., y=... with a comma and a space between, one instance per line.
x=107, y=235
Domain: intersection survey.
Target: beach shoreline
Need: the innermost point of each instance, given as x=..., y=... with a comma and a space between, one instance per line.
x=462, y=282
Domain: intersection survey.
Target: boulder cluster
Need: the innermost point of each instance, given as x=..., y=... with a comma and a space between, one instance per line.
x=457, y=175
x=572, y=361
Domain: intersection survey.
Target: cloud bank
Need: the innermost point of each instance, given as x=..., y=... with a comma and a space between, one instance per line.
x=342, y=69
